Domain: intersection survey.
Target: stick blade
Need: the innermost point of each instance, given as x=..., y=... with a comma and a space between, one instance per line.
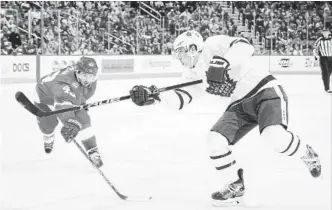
x=26, y=103
x=132, y=197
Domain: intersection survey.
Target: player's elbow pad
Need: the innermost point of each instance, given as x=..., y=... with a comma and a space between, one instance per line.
x=177, y=99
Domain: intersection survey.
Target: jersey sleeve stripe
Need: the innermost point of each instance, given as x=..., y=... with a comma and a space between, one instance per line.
x=187, y=93
x=181, y=99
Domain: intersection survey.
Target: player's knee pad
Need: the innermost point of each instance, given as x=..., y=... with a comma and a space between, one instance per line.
x=281, y=140
x=219, y=151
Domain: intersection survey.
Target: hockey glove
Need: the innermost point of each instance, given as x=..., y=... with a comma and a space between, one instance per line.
x=142, y=95
x=70, y=129
x=217, y=76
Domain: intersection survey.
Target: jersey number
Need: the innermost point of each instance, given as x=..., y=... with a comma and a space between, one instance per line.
x=67, y=90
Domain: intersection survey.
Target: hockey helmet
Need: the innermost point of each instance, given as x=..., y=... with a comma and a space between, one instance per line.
x=187, y=46
x=87, y=71
x=87, y=65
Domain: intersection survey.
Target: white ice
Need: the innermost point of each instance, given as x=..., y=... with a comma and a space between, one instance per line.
x=150, y=151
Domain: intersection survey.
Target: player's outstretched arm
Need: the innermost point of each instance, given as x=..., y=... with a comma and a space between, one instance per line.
x=179, y=98
x=174, y=99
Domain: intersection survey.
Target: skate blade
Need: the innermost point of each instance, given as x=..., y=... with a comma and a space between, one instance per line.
x=229, y=202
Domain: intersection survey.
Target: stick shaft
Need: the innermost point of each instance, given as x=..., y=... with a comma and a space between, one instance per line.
x=26, y=103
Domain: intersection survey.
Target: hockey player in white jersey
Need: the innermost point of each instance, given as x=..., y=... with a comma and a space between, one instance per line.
x=257, y=98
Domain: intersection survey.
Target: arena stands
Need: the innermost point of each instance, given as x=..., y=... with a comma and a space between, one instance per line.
x=124, y=28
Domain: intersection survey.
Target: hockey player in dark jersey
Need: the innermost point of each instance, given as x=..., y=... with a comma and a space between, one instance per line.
x=63, y=89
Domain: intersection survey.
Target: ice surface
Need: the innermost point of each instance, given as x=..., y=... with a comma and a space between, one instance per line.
x=150, y=151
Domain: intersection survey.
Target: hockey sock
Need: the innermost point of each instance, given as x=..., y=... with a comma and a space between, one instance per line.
x=226, y=166
x=87, y=137
x=47, y=137
x=222, y=157
x=89, y=143
x=295, y=147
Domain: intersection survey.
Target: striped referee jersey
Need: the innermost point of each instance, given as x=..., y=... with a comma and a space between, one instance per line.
x=324, y=46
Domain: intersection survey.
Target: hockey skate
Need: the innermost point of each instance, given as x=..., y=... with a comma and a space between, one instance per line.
x=48, y=142
x=312, y=162
x=95, y=157
x=232, y=193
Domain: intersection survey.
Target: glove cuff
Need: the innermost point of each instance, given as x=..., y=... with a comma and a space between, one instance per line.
x=75, y=122
x=154, y=93
x=154, y=89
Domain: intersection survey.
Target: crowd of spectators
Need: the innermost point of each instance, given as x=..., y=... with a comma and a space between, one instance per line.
x=114, y=28
x=289, y=28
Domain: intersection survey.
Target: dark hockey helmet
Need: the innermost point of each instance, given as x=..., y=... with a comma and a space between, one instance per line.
x=87, y=71
x=87, y=65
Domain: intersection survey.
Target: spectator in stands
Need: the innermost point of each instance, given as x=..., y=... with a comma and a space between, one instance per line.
x=298, y=50
x=6, y=48
x=15, y=38
x=88, y=50
x=30, y=48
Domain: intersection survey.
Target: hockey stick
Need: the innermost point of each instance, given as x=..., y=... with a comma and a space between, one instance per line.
x=123, y=197
x=28, y=105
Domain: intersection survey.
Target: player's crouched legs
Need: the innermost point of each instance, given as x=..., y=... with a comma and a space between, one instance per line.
x=287, y=143
x=225, y=163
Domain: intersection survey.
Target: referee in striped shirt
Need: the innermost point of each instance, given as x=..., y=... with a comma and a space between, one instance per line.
x=323, y=49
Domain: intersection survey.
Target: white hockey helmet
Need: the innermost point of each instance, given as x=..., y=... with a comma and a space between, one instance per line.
x=187, y=47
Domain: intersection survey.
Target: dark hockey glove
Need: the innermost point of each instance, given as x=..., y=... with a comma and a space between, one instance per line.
x=70, y=129
x=142, y=95
x=218, y=78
